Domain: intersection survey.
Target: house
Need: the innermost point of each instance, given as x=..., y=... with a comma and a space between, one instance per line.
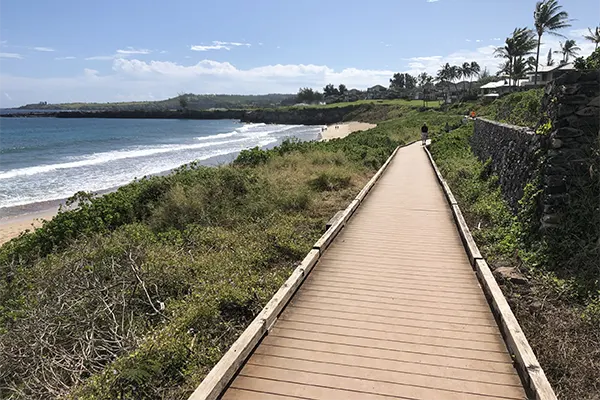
x=495, y=89
x=546, y=74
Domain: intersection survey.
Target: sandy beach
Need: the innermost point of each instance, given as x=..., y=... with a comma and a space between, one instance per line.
x=344, y=129
x=11, y=227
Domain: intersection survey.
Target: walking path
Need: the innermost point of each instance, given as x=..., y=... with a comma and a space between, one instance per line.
x=392, y=310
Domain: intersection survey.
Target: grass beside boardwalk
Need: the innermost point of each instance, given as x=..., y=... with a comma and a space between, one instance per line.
x=560, y=316
x=138, y=293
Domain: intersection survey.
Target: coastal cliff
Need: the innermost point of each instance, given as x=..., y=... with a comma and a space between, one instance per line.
x=283, y=115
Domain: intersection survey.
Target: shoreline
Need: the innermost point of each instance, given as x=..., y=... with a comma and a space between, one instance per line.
x=343, y=129
x=17, y=219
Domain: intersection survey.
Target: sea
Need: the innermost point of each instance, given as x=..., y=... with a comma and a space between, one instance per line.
x=46, y=160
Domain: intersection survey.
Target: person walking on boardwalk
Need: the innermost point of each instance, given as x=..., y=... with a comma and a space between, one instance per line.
x=424, y=133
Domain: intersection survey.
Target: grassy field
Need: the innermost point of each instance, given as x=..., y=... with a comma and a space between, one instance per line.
x=393, y=102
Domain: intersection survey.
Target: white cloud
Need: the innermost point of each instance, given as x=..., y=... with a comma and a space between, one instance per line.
x=432, y=1
x=478, y=41
x=11, y=55
x=484, y=56
x=90, y=73
x=497, y=39
x=43, y=49
x=131, y=50
x=468, y=40
x=65, y=58
x=105, y=58
x=210, y=47
x=7, y=96
x=218, y=45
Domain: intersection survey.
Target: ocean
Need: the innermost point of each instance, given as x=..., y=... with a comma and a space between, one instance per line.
x=49, y=159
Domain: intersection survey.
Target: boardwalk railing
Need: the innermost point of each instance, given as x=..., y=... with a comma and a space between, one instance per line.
x=222, y=373
x=526, y=363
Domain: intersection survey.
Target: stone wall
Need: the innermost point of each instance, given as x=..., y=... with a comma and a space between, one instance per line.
x=572, y=103
x=567, y=158
x=513, y=152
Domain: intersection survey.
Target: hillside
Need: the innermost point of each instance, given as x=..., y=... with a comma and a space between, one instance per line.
x=194, y=102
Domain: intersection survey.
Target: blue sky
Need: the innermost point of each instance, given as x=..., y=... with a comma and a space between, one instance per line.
x=63, y=50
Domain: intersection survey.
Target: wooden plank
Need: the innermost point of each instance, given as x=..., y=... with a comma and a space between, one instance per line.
x=361, y=386
x=465, y=234
x=383, y=372
x=335, y=217
x=447, y=192
x=528, y=365
x=374, y=362
x=277, y=303
x=326, y=239
x=493, y=369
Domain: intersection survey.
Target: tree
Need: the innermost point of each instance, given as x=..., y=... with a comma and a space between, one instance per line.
x=330, y=90
x=424, y=79
x=397, y=81
x=592, y=62
x=521, y=43
x=548, y=17
x=521, y=67
x=443, y=76
x=410, y=81
x=485, y=74
x=342, y=89
x=467, y=72
x=568, y=49
x=594, y=36
x=475, y=70
x=549, y=61
x=307, y=95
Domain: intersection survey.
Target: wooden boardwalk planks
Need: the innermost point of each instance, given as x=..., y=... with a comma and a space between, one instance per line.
x=392, y=310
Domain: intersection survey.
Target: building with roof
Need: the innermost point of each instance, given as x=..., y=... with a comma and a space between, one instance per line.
x=546, y=74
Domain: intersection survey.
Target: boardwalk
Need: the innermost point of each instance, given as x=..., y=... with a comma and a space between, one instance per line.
x=392, y=310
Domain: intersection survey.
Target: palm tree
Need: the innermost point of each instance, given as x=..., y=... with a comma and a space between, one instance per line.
x=520, y=68
x=548, y=17
x=467, y=72
x=446, y=75
x=521, y=43
x=455, y=74
x=549, y=61
x=568, y=49
x=594, y=36
x=475, y=68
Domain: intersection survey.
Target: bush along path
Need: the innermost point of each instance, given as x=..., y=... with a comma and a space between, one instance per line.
x=557, y=309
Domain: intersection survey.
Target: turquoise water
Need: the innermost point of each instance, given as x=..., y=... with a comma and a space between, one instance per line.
x=45, y=159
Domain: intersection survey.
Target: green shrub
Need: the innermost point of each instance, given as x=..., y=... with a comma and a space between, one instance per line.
x=252, y=157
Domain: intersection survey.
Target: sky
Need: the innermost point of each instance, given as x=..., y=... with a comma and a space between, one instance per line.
x=130, y=50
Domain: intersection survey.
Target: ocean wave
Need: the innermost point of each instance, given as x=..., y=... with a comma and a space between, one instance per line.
x=106, y=178
x=101, y=158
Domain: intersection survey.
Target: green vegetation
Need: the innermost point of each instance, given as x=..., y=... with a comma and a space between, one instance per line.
x=591, y=62
x=520, y=108
x=182, y=101
x=138, y=293
x=559, y=307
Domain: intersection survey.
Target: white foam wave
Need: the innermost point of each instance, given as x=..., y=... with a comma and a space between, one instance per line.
x=101, y=158
x=103, y=181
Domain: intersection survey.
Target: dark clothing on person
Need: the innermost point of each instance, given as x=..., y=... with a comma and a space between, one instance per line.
x=424, y=132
